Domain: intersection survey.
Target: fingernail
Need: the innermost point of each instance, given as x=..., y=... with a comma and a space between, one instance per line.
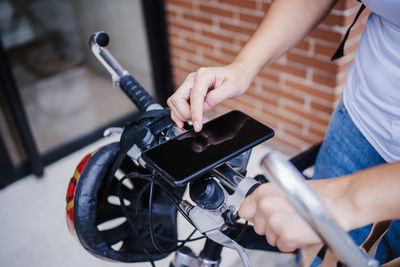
x=196, y=126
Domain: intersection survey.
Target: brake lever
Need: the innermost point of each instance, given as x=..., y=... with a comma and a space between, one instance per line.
x=220, y=238
x=211, y=223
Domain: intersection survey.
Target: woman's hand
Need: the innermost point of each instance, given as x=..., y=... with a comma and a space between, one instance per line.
x=204, y=89
x=275, y=218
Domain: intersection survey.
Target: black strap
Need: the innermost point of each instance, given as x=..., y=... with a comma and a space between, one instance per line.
x=339, y=50
x=127, y=140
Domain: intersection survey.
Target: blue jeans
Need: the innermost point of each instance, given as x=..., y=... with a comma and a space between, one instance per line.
x=344, y=151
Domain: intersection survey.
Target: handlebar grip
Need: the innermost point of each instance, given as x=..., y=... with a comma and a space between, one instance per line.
x=136, y=92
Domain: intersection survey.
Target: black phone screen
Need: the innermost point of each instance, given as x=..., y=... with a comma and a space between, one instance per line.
x=192, y=154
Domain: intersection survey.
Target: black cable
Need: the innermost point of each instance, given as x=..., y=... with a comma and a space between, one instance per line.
x=175, y=199
x=172, y=197
x=131, y=224
x=240, y=235
x=158, y=235
x=151, y=229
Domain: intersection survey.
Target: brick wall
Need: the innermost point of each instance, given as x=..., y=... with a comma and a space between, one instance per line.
x=297, y=94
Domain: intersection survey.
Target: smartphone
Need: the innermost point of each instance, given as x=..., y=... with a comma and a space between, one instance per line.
x=190, y=155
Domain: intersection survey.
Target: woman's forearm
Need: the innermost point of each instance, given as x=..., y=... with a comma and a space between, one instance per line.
x=364, y=197
x=354, y=200
x=286, y=23
x=375, y=194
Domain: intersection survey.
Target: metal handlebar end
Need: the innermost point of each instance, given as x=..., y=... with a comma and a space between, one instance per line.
x=98, y=42
x=100, y=38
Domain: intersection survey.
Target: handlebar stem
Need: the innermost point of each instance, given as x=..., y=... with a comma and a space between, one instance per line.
x=229, y=177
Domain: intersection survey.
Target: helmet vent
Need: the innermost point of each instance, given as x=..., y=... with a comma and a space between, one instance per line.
x=117, y=246
x=114, y=223
x=114, y=200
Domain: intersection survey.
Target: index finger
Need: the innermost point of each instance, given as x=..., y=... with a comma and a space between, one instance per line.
x=203, y=81
x=248, y=208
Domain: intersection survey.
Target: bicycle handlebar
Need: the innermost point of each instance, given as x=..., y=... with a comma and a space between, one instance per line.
x=137, y=94
x=120, y=77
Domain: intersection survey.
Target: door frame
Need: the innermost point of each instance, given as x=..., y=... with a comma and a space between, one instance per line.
x=157, y=35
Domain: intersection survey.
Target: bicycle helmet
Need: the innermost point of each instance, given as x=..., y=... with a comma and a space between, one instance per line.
x=100, y=223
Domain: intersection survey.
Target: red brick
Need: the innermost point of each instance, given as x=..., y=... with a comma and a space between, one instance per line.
x=238, y=104
x=195, y=64
x=229, y=51
x=282, y=118
x=306, y=115
x=284, y=94
x=345, y=66
x=333, y=20
x=181, y=26
x=268, y=76
x=218, y=36
x=200, y=43
x=181, y=3
x=350, y=48
x=324, y=50
x=240, y=3
x=186, y=48
x=324, y=79
x=293, y=146
x=236, y=29
x=304, y=137
x=270, y=122
x=215, y=10
x=304, y=45
x=221, y=61
x=197, y=19
x=261, y=98
x=173, y=35
x=346, y=4
x=322, y=108
x=309, y=90
x=185, y=70
x=172, y=13
x=246, y=103
x=317, y=132
x=265, y=6
x=250, y=18
x=326, y=35
x=288, y=69
x=313, y=62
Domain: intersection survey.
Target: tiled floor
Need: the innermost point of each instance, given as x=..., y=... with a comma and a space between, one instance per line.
x=33, y=230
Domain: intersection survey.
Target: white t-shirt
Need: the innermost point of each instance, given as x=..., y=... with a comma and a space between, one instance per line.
x=372, y=91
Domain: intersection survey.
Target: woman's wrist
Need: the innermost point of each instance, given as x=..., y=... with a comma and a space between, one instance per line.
x=361, y=200
x=338, y=200
x=349, y=202
x=244, y=73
